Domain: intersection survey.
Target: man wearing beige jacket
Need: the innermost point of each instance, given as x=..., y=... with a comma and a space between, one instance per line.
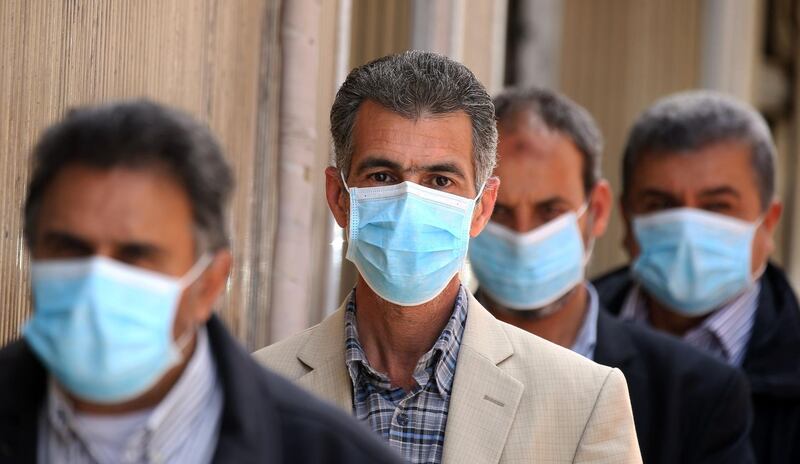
x=411, y=352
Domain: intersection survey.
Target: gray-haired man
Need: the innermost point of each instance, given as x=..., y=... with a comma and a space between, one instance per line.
x=530, y=261
x=700, y=212
x=123, y=360
x=411, y=351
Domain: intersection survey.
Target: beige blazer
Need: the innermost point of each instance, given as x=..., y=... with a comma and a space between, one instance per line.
x=516, y=398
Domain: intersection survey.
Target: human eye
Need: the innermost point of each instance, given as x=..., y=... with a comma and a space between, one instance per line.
x=381, y=178
x=442, y=182
x=718, y=207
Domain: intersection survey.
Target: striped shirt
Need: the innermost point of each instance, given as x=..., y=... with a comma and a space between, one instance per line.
x=724, y=334
x=412, y=422
x=182, y=428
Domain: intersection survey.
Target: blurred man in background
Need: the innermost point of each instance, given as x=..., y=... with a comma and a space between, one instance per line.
x=411, y=351
x=530, y=261
x=700, y=212
x=123, y=360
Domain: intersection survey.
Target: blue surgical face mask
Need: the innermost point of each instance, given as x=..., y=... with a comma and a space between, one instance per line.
x=103, y=328
x=529, y=271
x=408, y=241
x=691, y=260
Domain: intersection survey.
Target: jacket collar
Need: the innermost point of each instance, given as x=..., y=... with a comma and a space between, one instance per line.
x=250, y=426
x=484, y=396
x=614, y=345
x=24, y=383
x=771, y=362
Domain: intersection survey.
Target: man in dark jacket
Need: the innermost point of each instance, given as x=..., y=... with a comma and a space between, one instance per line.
x=700, y=213
x=123, y=360
x=530, y=261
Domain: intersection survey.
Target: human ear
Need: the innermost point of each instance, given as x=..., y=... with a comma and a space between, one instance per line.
x=337, y=196
x=485, y=206
x=600, y=205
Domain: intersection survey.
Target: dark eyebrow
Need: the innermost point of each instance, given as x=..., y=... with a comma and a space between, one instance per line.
x=554, y=200
x=451, y=168
x=657, y=193
x=723, y=190
x=67, y=240
x=371, y=162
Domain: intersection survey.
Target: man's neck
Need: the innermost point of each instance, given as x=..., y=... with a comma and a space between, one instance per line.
x=560, y=327
x=667, y=320
x=394, y=337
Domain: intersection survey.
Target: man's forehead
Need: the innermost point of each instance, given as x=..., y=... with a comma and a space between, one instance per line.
x=118, y=204
x=723, y=164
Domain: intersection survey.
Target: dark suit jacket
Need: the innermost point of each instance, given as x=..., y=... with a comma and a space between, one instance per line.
x=771, y=362
x=687, y=406
x=265, y=419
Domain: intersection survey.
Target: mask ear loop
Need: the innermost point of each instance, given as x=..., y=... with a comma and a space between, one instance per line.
x=187, y=280
x=346, y=187
x=480, y=191
x=759, y=222
x=589, y=248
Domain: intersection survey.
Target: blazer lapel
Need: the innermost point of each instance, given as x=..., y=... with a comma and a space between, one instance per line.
x=324, y=354
x=485, y=398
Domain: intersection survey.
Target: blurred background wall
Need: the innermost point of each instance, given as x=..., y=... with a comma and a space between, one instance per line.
x=263, y=74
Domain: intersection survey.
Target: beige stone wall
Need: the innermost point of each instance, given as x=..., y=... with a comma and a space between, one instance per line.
x=207, y=57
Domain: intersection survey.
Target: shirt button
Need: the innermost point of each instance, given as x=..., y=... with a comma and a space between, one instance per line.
x=402, y=419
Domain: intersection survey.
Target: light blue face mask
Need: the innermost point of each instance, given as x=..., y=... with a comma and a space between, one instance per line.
x=529, y=271
x=693, y=261
x=104, y=328
x=408, y=241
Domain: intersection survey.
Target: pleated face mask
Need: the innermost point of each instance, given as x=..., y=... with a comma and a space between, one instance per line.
x=408, y=241
x=104, y=328
x=693, y=261
x=528, y=271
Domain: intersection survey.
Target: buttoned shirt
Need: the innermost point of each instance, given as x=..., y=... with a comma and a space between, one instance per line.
x=412, y=422
x=724, y=334
x=182, y=428
x=586, y=340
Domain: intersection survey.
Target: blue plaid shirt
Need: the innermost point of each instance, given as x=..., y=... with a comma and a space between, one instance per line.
x=413, y=422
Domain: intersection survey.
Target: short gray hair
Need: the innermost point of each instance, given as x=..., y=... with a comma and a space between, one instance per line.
x=689, y=121
x=413, y=84
x=138, y=134
x=557, y=113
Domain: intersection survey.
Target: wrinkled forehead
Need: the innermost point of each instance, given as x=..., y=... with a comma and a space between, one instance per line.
x=411, y=142
x=727, y=163
x=536, y=163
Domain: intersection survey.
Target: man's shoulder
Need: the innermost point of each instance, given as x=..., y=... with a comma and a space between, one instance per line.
x=666, y=355
x=282, y=356
x=612, y=287
x=314, y=431
x=541, y=356
x=20, y=373
x=304, y=428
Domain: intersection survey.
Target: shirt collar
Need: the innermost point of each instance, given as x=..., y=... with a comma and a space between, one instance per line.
x=729, y=326
x=586, y=340
x=184, y=403
x=440, y=360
